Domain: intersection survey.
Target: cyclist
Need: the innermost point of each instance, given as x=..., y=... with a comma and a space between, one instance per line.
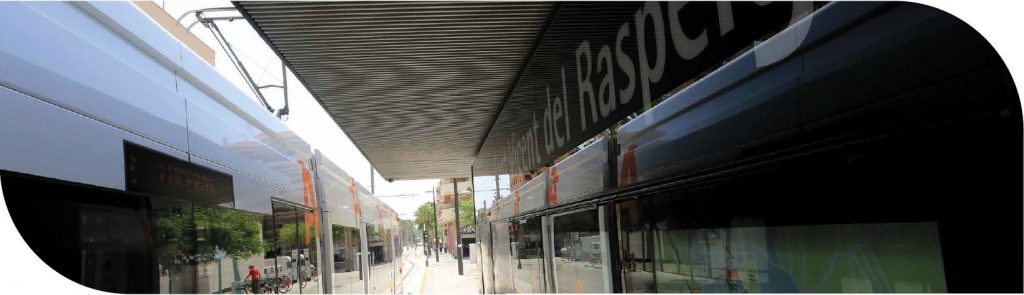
x=255, y=275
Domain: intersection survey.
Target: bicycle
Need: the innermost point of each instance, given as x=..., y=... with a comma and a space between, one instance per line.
x=284, y=284
x=264, y=287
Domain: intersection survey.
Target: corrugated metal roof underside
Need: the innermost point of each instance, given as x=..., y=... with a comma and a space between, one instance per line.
x=415, y=85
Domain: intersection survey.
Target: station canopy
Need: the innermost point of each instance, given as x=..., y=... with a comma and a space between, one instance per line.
x=429, y=89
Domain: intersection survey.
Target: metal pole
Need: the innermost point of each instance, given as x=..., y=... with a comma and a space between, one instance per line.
x=497, y=188
x=326, y=237
x=371, y=181
x=458, y=229
x=472, y=193
x=437, y=248
x=284, y=77
x=364, y=257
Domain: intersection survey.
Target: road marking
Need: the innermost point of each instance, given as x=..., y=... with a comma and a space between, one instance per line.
x=405, y=276
x=423, y=283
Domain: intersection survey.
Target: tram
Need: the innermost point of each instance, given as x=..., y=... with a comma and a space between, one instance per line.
x=882, y=155
x=129, y=165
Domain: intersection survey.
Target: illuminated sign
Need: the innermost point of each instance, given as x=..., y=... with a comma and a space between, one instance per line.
x=150, y=172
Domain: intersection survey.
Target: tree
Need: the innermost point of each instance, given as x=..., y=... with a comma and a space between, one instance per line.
x=236, y=233
x=187, y=235
x=425, y=218
x=466, y=210
x=292, y=235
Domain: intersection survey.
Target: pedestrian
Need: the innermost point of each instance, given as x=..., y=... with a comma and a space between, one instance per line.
x=255, y=275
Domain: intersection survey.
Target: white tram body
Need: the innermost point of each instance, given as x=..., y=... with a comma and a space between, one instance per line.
x=81, y=81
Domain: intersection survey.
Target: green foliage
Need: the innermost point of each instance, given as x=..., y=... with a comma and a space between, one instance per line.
x=424, y=218
x=174, y=236
x=466, y=212
x=290, y=235
x=191, y=234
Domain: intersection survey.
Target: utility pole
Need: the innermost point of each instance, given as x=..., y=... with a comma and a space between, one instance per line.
x=458, y=229
x=437, y=248
x=497, y=189
x=472, y=192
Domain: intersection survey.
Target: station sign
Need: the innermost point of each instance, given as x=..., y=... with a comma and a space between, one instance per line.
x=599, y=62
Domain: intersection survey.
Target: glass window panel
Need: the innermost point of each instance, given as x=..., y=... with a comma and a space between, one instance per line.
x=635, y=244
x=502, y=258
x=227, y=242
x=578, y=259
x=308, y=264
x=527, y=256
x=283, y=266
x=695, y=253
x=174, y=238
x=99, y=238
x=381, y=268
x=347, y=268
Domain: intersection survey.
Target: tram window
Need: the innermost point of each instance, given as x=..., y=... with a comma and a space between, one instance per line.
x=380, y=258
x=527, y=256
x=174, y=237
x=203, y=248
x=577, y=258
x=690, y=252
x=635, y=246
x=347, y=267
x=296, y=244
x=227, y=242
x=96, y=237
x=120, y=242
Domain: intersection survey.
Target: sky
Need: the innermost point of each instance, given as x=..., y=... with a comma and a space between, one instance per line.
x=307, y=118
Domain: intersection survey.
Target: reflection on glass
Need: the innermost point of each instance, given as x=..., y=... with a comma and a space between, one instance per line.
x=747, y=258
x=114, y=247
x=127, y=243
x=527, y=256
x=99, y=238
x=858, y=258
x=294, y=266
x=381, y=268
x=227, y=242
x=577, y=260
x=193, y=242
x=635, y=245
x=502, y=258
x=347, y=268
x=174, y=237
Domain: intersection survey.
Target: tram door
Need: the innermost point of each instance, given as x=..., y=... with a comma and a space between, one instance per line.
x=292, y=265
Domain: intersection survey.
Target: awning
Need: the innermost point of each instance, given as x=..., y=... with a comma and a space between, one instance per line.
x=415, y=85
x=428, y=89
